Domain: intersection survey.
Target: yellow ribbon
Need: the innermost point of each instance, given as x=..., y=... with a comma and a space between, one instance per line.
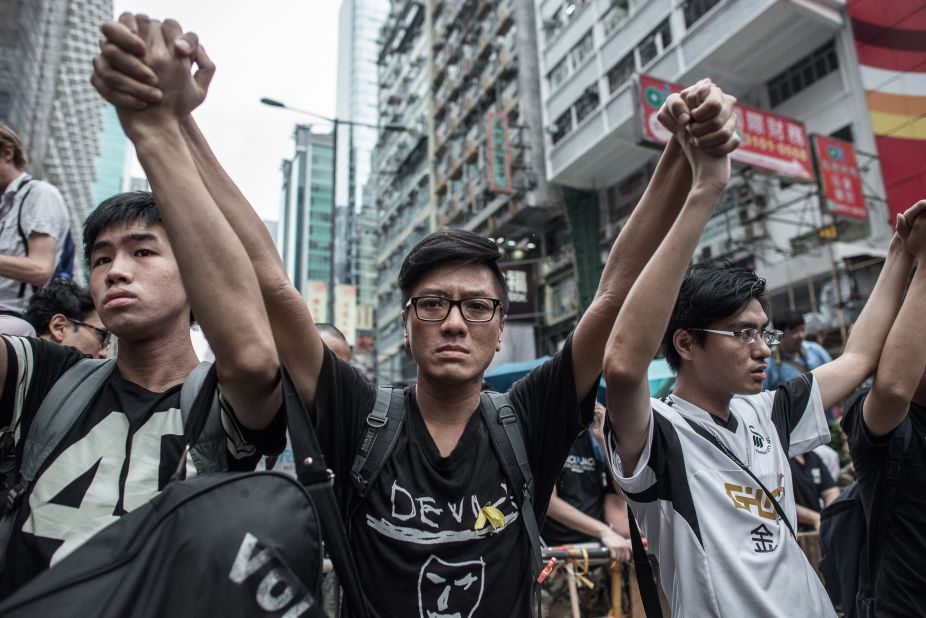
x=489, y=514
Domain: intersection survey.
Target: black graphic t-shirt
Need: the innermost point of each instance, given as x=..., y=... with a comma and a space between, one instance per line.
x=811, y=479
x=418, y=549
x=118, y=455
x=583, y=484
x=900, y=588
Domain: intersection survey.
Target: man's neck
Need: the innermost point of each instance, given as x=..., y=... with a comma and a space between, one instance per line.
x=709, y=400
x=159, y=363
x=7, y=176
x=446, y=409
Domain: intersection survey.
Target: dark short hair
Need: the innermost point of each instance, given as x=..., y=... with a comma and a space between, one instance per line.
x=120, y=208
x=331, y=329
x=451, y=246
x=711, y=291
x=789, y=319
x=62, y=296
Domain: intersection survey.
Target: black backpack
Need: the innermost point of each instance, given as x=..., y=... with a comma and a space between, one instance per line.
x=387, y=418
x=230, y=544
x=851, y=535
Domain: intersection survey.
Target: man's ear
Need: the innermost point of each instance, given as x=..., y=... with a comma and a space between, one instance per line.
x=683, y=342
x=501, y=330
x=56, y=327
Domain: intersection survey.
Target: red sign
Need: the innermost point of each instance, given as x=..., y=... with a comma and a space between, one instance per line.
x=499, y=153
x=839, y=177
x=769, y=141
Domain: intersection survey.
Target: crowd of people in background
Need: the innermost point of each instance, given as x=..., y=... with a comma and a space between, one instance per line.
x=721, y=476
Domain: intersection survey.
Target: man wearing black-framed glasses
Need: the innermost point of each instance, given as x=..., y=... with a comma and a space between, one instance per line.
x=63, y=312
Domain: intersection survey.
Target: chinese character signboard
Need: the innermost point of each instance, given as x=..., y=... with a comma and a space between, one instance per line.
x=520, y=280
x=499, y=152
x=316, y=297
x=345, y=311
x=770, y=142
x=839, y=177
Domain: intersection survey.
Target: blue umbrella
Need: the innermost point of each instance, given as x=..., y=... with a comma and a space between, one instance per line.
x=501, y=377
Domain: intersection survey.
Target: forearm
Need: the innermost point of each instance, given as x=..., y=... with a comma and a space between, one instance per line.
x=807, y=516
x=571, y=517
x=615, y=513
x=216, y=272
x=27, y=269
x=294, y=333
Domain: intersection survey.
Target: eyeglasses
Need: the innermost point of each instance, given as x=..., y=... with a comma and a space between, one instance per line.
x=104, y=335
x=747, y=335
x=437, y=308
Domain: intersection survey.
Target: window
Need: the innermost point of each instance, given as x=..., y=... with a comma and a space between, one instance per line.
x=615, y=16
x=562, y=126
x=587, y=103
x=803, y=73
x=655, y=43
x=582, y=49
x=845, y=134
x=695, y=10
x=621, y=72
x=559, y=73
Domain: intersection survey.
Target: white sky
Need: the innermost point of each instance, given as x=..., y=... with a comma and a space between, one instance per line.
x=282, y=49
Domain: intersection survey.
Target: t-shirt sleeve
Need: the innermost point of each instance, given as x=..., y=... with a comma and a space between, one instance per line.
x=796, y=409
x=826, y=479
x=343, y=399
x=33, y=367
x=861, y=441
x=652, y=464
x=245, y=445
x=44, y=212
x=552, y=416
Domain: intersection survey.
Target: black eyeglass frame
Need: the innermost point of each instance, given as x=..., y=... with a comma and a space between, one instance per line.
x=496, y=303
x=104, y=334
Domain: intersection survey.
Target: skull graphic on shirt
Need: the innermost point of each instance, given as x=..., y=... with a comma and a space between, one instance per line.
x=450, y=589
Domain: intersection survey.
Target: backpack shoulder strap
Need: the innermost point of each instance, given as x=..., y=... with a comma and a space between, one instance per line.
x=505, y=431
x=60, y=409
x=643, y=569
x=62, y=406
x=379, y=437
x=882, y=504
x=19, y=227
x=208, y=449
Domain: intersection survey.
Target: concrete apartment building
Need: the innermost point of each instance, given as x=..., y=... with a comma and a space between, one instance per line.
x=795, y=59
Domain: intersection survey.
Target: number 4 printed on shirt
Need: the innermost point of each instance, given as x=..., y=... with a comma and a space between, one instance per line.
x=104, y=449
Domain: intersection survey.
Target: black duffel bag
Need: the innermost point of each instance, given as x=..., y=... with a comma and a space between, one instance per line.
x=220, y=544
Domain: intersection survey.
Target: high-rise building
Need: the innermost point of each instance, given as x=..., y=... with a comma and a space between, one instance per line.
x=305, y=225
x=358, y=104
x=791, y=65
x=111, y=161
x=46, y=47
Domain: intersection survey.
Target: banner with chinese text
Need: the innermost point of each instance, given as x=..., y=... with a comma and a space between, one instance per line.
x=499, y=153
x=839, y=177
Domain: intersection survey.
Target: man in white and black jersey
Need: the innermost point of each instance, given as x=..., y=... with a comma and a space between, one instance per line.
x=722, y=547
x=150, y=265
x=421, y=546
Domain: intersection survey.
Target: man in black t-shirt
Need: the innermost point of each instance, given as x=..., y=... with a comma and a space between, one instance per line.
x=814, y=489
x=150, y=266
x=897, y=396
x=421, y=546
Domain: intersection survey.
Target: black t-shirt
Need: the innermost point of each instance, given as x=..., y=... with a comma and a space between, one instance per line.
x=900, y=589
x=811, y=479
x=414, y=538
x=118, y=455
x=582, y=483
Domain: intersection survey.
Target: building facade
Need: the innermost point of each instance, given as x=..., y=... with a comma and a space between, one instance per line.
x=795, y=60
x=306, y=233
x=46, y=47
x=111, y=161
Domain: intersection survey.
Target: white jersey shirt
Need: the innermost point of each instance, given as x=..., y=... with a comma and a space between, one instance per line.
x=722, y=548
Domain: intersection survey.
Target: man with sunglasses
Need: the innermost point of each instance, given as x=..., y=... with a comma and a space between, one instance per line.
x=62, y=312
x=706, y=469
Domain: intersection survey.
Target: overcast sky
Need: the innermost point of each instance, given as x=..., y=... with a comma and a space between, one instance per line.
x=282, y=49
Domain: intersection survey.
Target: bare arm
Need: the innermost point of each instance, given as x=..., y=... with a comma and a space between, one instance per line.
x=37, y=267
x=904, y=356
x=216, y=270
x=829, y=495
x=839, y=378
x=713, y=124
x=295, y=337
x=807, y=516
x=573, y=518
x=615, y=512
x=643, y=319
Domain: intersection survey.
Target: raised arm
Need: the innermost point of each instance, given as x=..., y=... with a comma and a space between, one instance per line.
x=643, y=319
x=903, y=359
x=216, y=271
x=296, y=339
x=839, y=378
x=712, y=123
